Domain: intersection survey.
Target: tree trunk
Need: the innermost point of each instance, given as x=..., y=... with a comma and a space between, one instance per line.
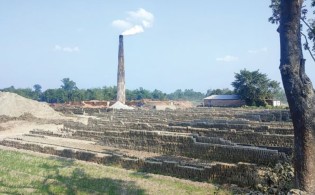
x=300, y=94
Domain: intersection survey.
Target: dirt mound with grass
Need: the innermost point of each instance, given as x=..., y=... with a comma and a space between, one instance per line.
x=14, y=105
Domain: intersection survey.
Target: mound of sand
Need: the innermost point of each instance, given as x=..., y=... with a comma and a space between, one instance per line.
x=14, y=105
x=119, y=105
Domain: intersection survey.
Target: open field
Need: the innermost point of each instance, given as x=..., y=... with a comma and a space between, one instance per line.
x=23, y=173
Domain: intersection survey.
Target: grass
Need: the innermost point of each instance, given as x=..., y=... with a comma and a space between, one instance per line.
x=22, y=173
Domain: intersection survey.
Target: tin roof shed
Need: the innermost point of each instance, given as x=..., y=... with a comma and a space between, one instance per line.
x=223, y=97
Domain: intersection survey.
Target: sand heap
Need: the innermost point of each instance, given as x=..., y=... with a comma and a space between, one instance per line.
x=118, y=105
x=14, y=105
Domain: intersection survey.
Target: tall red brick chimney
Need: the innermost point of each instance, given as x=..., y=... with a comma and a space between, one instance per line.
x=121, y=94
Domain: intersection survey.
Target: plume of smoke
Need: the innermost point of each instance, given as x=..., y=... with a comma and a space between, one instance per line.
x=135, y=22
x=133, y=30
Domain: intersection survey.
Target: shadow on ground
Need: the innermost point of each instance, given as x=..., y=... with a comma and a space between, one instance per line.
x=64, y=177
x=77, y=181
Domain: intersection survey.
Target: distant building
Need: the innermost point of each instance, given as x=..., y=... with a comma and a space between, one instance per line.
x=274, y=103
x=223, y=101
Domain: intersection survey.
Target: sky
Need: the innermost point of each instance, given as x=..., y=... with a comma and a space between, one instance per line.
x=179, y=44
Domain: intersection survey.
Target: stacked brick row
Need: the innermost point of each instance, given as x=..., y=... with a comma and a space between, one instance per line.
x=253, y=137
x=242, y=174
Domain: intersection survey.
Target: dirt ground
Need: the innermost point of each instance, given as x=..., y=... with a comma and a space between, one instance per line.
x=20, y=127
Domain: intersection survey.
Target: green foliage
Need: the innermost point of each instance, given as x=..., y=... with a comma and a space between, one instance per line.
x=37, y=92
x=187, y=94
x=37, y=88
x=176, y=95
x=308, y=23
x=141, y=93
x=54, y=96
x=224, y=91
x=69, y=92
x=275, y=7
x=68, y=85
x=254, y=87
x=158, y=95
x=109, y=93
x=27, y=92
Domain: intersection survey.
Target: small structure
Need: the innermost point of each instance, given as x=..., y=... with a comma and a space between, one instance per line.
x=274, y=103
x=223, y=101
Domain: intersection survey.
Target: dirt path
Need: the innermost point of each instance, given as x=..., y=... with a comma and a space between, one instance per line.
x=14, y=128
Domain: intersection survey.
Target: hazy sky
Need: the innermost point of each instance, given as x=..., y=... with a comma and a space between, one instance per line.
x=185, y=44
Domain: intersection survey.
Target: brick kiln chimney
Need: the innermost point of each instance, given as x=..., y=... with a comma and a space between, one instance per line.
x=121, y=96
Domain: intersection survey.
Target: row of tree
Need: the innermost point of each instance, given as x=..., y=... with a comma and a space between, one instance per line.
x=69, y=92
x=254, y=87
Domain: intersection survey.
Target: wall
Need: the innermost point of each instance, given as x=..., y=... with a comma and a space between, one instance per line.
x=223, y=103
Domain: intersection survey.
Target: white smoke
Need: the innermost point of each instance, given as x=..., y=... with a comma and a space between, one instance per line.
x=66, y=48
x=135, y=22
x=134, y=30
x=122, y=24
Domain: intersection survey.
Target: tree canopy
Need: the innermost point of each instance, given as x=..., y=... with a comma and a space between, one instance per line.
x=255, y=87
x=224, y=91
x=68, y=92
x=308, y=32
x=68, y=85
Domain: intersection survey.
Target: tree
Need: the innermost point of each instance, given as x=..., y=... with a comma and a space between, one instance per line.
x=176, y=95
x=142, y=94
x=300, y=93
x=158, y=95
x=110, y=93
x=26, y=92
x=308, y=34
x=77, y=95
x=254, y=87
x=68, y=85
x=130, y=95
x=187, y=94
x=37, y=91
x=55, y=96
x=9, y=89
x=37, y=88
x=224, y=91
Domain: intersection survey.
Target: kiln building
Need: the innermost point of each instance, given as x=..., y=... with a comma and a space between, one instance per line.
x=223, y=101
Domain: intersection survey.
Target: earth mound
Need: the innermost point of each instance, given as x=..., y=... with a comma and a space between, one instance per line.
x=14, y=105
x=119, y=105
